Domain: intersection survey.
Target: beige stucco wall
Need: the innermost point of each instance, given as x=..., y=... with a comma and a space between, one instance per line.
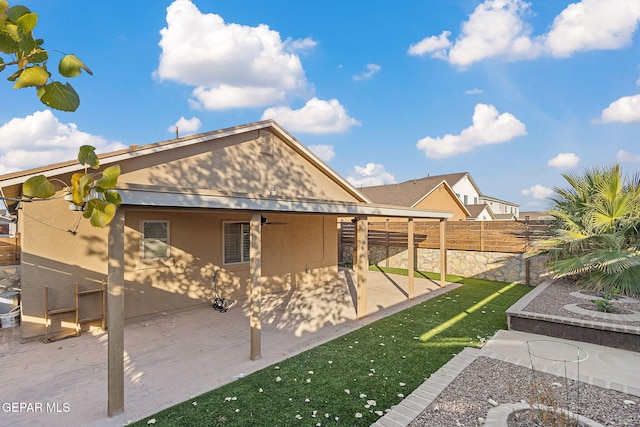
x=301, y=250
x=443, y=200
x=235, y=164
x=296, y=253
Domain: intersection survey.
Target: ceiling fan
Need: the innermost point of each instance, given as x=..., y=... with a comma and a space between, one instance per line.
x=265, y=221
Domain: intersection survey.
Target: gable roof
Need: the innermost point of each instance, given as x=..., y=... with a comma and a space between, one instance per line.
x=476, y=210
x=159, y=196
x=407, y=193
x=10, y=184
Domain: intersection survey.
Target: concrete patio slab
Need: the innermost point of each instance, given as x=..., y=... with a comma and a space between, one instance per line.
x=173, y=356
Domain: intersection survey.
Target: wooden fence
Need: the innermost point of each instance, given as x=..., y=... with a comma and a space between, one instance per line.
x=485, y=236
x=9, y=250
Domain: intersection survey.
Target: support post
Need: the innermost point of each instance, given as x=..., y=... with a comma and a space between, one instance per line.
x=411, y=264
x=362, y=264
x=115, y=316
x=443, y=252
x=255, y=273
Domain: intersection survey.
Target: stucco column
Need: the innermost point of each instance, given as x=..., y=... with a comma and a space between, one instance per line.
x=443, y=252
x=255, y=277
x=115, y=316
x=361, y=263
x=411, y=263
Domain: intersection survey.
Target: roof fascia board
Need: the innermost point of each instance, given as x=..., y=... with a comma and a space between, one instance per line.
x=155, y=198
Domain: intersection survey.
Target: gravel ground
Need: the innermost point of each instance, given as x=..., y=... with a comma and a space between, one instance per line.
x=488, y=382
x=466, y=401
x=552, y=300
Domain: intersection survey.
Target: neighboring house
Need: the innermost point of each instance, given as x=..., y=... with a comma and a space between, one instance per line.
x=431, y=193
x=500, y=207
x=469, y=193
x=480, y=213
x=7, y=224
x=536, y=216
x=421, y=193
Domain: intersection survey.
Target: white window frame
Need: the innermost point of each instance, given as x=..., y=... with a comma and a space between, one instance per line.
x=245, y=230
x=143, y=239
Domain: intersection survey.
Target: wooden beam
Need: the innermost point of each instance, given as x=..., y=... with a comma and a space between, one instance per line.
x=115, y=316
x=411, y=263
x=443, y=252
x=255, y=273
x=361, y=264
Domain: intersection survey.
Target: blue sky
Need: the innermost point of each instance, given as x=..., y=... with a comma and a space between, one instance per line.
x=514, y=92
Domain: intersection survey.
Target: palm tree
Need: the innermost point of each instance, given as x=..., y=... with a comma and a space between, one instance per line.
x=596, y=239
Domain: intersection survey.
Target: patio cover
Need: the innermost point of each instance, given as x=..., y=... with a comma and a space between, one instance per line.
x=180, y=198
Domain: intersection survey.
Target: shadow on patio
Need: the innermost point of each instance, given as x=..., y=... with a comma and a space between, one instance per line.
x=173, y=356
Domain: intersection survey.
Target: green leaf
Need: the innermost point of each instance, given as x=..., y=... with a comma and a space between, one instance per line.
x=14, y=13
x=87, y=157
x=76, y=192
x=80, y=187
x=38, y=56
x=59, y=96
x=32, y=76
x=38, y=186
x=109, y=178
x=8, y=43
x=27, y=22
x=100, y=212
x=71, y=66
x=4, y=6
x=2, y=65
x=13, y=77
x=113, y=196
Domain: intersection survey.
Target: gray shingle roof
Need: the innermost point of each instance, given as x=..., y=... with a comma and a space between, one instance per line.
x=410, y=192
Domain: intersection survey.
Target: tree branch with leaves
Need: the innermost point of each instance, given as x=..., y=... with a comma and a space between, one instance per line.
x=93, y=193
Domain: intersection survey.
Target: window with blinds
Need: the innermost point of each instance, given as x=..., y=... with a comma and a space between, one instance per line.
x=155, y=239
x=236, y=242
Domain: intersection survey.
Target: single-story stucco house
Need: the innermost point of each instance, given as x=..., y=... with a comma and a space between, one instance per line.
x=249, y=201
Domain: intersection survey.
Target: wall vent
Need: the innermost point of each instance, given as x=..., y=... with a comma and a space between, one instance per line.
x=266, y=142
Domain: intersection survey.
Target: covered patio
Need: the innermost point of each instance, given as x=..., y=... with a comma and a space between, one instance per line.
x=171, y=357
x=140, y=196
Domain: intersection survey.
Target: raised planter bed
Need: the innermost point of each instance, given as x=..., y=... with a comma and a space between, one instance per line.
x=550, y=310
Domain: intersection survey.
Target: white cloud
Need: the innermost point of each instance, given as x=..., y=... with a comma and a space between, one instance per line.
x=40, y=139
x=625, y=156
x=431, y=44
x=537, y=192
x=317, y=116
x=369, y=175
x=592, y=25
x=625, y=110
x=564, y=161
x=325, y=152
x=489, y=127
x=474, y=91
x=186, y=126
x=231, y=65
x=365, y=75
x=497, y=28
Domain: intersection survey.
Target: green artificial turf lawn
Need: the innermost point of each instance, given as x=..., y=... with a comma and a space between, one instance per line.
x=353, y=379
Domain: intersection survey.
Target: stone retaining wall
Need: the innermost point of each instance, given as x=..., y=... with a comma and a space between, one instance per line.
x=498, y=266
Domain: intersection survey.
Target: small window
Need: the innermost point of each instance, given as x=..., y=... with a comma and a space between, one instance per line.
x=155, y=239
x=237, y=238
